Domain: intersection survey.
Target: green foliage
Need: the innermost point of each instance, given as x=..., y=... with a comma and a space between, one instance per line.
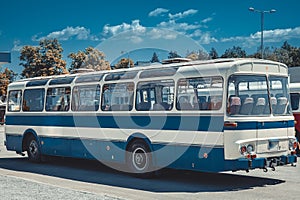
x=199, y=55
x=91, y=58
x=213, y=54
x=154, y=58
x=286, y=54
x=43, y=60
x=173, y=54
x=124, y=63
x=235, y=52
x=6, y=77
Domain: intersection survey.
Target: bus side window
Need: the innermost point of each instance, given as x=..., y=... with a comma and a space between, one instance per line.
x=155, y=95
x=86, y=98
x=117, y=97
x=14, y=100
x=58, y=99
x=204, y=93
x=295, y=101
x=33, y=100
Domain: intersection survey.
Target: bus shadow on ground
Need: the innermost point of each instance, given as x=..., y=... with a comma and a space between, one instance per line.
x=169, y=181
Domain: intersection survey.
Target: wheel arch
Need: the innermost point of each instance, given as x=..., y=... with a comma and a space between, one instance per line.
x=138, y=136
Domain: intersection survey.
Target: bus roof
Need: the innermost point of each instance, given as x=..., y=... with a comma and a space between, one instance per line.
x=187, y=66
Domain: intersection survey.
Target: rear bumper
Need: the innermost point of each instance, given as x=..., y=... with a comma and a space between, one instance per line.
x=265, y=163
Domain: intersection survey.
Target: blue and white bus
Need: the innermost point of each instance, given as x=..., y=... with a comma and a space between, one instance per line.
x=210, y=116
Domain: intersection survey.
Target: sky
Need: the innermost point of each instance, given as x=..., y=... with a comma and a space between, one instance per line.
x=119, y=27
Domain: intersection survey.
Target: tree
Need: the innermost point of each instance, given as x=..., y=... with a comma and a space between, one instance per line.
x=293, y=54
x=154, y=58
x=6, y=77
x=173, y=54
x=200, y=55
x=192, y=56
x=286, y=54
x=213, y=53
x=124, y=63
x=43, y=60
x=203, y=55
x=91, y=58
x=235, y=52
x=77, y=60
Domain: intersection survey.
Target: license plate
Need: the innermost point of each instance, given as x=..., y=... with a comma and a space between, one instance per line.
x=273, y=145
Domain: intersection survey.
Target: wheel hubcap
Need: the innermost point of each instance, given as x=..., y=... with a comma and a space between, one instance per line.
x=33, y=148
x=140, y=159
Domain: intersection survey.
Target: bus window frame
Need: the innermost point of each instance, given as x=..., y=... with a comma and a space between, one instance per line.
x=98, y=89
x=41, y=96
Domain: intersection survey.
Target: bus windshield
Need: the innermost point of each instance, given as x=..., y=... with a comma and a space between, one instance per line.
x=258, y=95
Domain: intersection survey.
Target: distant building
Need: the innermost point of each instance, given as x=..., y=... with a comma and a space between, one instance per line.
x=294, y=73
x=5, y=57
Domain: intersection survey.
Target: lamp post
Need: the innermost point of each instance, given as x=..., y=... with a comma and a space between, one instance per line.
x=262, y=14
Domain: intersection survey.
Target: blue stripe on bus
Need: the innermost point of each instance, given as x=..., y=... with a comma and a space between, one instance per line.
x=189, y=123
x=261, y=125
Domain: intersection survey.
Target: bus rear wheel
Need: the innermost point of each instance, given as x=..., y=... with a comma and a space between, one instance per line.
x=33, y=149
x=139, y=159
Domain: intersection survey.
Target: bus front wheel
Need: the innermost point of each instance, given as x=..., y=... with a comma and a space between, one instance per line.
x=139, y=159
x=33, y=149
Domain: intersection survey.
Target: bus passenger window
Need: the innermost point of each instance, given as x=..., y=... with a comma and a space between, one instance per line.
x=202, y=93
x=117, y=97
x=155, y=95
x=58, y=99
x=86, y=98
x=33, y=100
x=14, y=100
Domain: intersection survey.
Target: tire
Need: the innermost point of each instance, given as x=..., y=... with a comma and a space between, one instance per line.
x=139, y=159
x=33, y=150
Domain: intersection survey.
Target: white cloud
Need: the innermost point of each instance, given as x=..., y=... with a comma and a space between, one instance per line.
x=204, y=21
x=183, y=15
x=276, y=35
x=114, y=30
x=158, y=12
x=157, y=33
x=203, y=37
x=79, y=33
x=178, y=26
x=17, y=46
x=136, y=40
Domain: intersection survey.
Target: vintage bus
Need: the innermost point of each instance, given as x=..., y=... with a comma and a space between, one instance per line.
x=295, y=103
x=2, y=111
x=211, y=116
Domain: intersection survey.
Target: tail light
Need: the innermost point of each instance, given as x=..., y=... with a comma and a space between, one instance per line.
x=248, y=151
x=293, y=144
